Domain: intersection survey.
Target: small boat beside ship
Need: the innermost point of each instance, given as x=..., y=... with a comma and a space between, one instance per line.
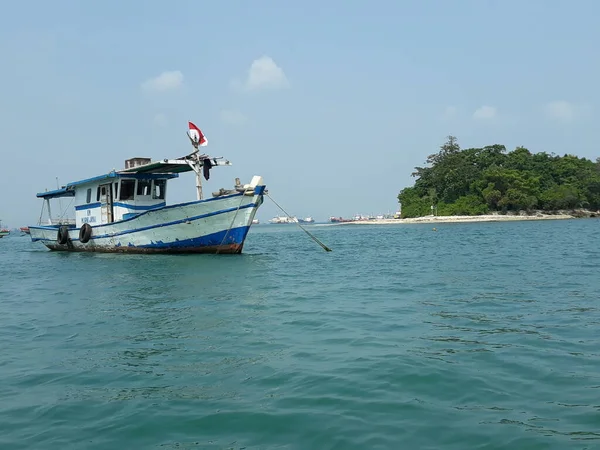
x=24, y=230
x=126, y=211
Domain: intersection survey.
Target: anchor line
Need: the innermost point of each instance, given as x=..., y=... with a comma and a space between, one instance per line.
x=327, y=249
x=231, y=224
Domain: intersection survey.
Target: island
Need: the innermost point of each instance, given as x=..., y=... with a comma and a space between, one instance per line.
x=493, y=184
x=491, y=181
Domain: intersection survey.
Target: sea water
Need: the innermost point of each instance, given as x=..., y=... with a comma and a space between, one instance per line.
x=479, y=335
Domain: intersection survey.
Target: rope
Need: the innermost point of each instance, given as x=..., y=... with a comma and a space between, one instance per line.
x=327, y=249
x=231, y=224
x=42, y=212
x=63, y=214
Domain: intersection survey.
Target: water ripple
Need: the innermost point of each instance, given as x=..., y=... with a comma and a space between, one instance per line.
x=477, y=336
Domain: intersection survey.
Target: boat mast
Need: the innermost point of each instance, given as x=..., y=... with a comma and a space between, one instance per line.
x=198, y=177
x=197, y=139
x=193, y=160
x=199, y=187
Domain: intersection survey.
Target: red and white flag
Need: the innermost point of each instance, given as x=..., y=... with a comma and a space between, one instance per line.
x=196, y=136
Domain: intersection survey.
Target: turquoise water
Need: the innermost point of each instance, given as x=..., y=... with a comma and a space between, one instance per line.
x=475, y=336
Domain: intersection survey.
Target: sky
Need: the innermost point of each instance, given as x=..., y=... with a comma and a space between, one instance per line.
x=333, y=103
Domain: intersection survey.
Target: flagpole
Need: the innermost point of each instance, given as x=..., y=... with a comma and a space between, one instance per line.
x=198, y=178
x=196, y=140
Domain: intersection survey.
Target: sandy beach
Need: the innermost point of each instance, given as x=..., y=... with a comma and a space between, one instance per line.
x=461, y=219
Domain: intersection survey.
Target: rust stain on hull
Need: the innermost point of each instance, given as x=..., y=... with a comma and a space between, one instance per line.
x=230, y=249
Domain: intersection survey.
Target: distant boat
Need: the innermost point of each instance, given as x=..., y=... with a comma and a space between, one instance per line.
x=24, y=230
x=255, y=221
x=307, y=220
x=125, y=211
x=283, y=220
x=339, y=220
x=3, y=231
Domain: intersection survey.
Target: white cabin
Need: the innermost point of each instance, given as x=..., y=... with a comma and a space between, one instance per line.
x=116, y=195
x=119, y=196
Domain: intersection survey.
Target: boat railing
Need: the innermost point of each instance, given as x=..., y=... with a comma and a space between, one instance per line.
x=62, y=221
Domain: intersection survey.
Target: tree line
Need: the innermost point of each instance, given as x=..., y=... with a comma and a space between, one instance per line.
x=477, y=181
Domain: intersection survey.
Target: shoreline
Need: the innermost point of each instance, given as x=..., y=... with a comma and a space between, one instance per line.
x=463, y=219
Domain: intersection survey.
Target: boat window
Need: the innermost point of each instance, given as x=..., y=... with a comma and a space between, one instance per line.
x=98, y=194
x=89, y=195
x=127, y=190
x=116, y=190
x=159, y=189
x=143, y=187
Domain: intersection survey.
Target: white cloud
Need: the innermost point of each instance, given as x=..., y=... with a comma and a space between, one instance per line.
x=160, y=120
x=560, y=110
x=233, y=117
x=264, y=73
x=166, y=81
x=485, y=112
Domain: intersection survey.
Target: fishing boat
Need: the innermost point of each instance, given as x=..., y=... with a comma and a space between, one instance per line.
x=3, y=231
x=306, y=220
x=126, y=211
x=24, y=230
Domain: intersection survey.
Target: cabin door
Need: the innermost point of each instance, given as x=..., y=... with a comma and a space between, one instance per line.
x=106, y=203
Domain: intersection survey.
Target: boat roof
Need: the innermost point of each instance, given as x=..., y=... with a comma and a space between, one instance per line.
x=170, y=166
x=69, y=189
x=173, y=166
x=166, y=168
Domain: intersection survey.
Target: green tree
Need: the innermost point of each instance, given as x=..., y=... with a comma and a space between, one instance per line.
x=478, y=180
